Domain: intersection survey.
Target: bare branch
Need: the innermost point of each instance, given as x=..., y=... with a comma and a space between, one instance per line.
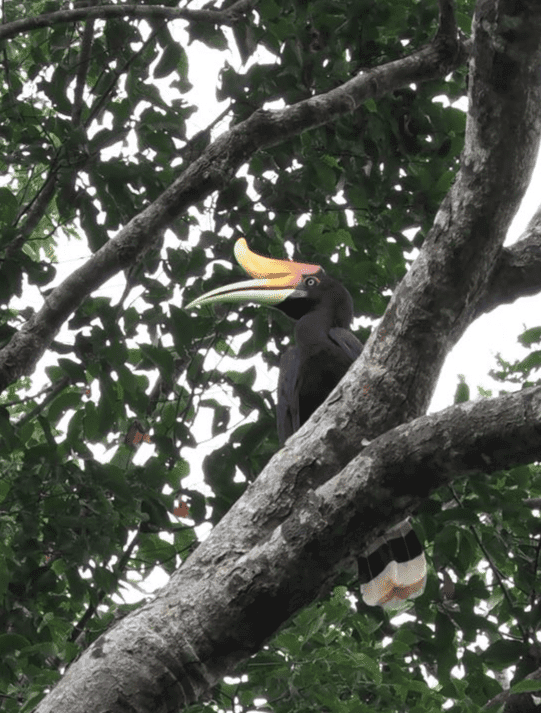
x=116, y=73
x=212, y=171
x=228, y=16
x=82, y=71
x=209, y=616
x=53, y=390
x=34, y=212
x=517, y=272
x=495, y=571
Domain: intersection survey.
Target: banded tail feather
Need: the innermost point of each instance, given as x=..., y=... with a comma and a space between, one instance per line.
x=393, y=568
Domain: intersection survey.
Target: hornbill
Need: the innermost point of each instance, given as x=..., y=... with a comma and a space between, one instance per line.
x=393, y=568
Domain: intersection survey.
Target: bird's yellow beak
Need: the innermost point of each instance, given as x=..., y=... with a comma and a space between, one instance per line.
x=275, y=280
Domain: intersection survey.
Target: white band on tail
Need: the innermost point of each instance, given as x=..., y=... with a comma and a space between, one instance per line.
x=393, y=568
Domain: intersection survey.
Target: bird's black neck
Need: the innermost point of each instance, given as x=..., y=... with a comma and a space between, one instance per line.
x=322, y=307
x=313, y=328
x=319, y=360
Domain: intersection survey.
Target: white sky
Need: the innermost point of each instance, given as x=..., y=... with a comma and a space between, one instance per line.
x=473, y=356
x=496, y=332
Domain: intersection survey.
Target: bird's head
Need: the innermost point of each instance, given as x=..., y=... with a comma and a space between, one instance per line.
x=295, y=288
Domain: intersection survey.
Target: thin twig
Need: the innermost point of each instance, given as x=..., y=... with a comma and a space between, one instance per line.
x=55, y=390
x=493, y=567
x=229, y=16
x=82, y=71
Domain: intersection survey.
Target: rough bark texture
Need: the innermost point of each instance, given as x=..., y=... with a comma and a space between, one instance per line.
x=517, y=271
x=212, y=171
x=228, y=16
x=222, y=605
x=283, y=541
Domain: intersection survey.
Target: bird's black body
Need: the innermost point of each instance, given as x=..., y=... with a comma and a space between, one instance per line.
x=393, y=568
x=323, y=352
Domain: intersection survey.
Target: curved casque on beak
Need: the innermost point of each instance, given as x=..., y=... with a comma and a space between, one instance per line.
x=276, y=280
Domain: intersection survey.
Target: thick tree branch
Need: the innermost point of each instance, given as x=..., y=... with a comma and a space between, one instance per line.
x=228, y=16
x=210, y=616
x=212, y=171
x=517, y=271
x=283, y=541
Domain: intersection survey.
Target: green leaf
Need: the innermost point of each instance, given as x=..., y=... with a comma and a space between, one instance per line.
x=161, y=357
x=92, y=423
x=8, y=206
x=73, y=369
x=12, y=642
x=4, y=489
x=462, y=393
x=526, y=686
x=64, y=402
x=503, y=653
x=371, y=106
x=173, y=59
x=181, y=328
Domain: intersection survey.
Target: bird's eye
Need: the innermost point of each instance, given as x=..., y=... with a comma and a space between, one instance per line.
x=311, y=281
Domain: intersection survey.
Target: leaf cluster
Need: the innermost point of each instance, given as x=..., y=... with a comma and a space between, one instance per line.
x=356, y=196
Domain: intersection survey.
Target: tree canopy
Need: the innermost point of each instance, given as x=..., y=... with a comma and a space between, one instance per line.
x=342, y=139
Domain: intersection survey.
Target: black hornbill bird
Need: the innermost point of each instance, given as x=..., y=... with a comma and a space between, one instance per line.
x=393, y=568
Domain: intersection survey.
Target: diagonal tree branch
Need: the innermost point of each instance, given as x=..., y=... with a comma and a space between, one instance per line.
x=517, y=271
x=209, y=616
x=229, y=16
x=82, y=71
x=34, y=211
x=284, y=540
x=212, y=171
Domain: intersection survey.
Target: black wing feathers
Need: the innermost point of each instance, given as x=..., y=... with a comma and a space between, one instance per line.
x=347, y=341
x=288, y=410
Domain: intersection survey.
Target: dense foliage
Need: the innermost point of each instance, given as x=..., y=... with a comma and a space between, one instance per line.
x=87, y=141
